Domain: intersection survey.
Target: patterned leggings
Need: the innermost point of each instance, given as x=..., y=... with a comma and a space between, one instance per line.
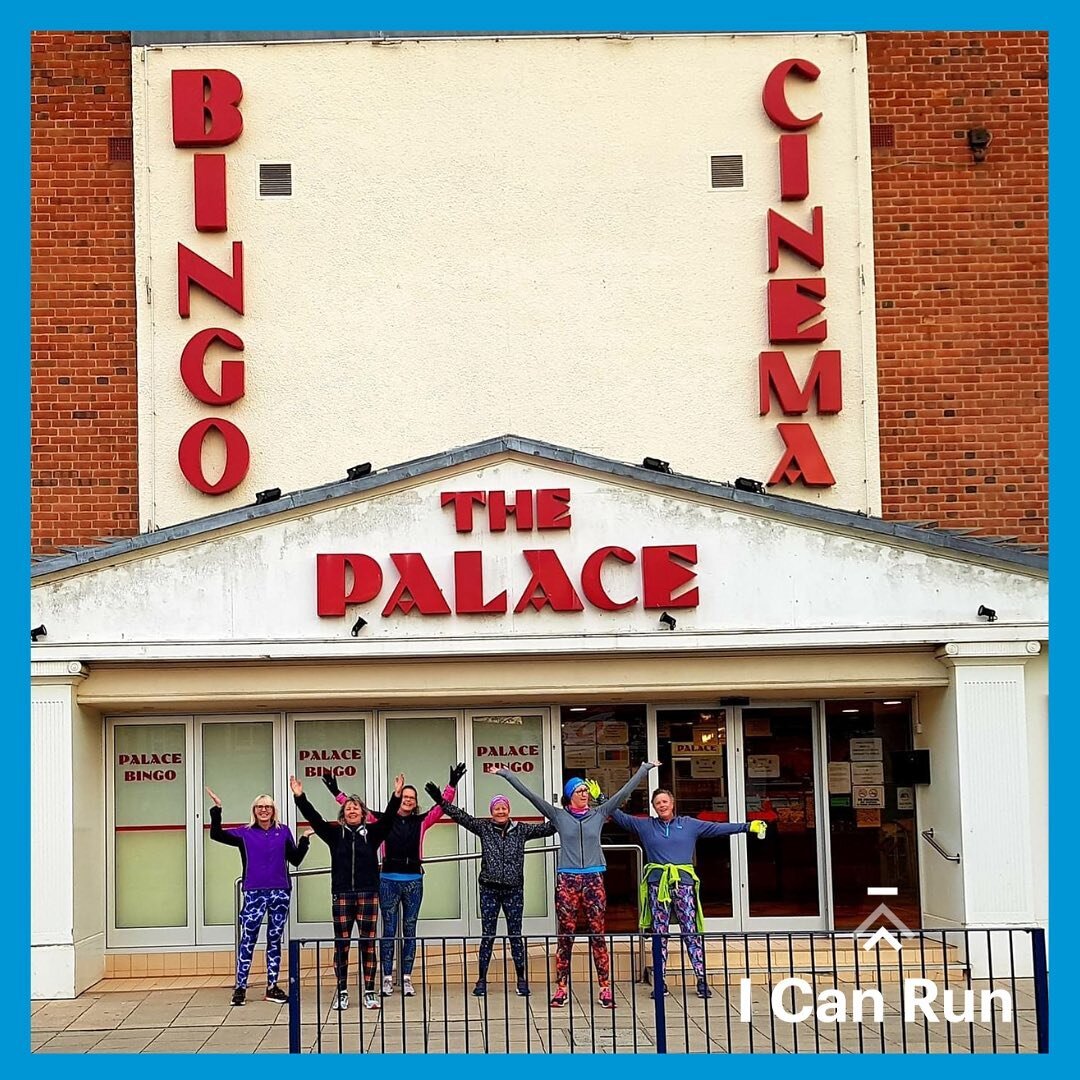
x=408, y=894
x=686, y=913
x=512, y=901
x=363, y=909
x=585, y=893
x=273, y=903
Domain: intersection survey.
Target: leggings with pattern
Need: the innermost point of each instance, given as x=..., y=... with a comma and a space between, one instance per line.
x=686, y=913
x=408, y=894
x=512, y=901
x=274, y=904
x=361, y=908
x=583, y=893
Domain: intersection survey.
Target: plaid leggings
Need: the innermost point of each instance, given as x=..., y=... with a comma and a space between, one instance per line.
x=585, y=893
x=363, y=909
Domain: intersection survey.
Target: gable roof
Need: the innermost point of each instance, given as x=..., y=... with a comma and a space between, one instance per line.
x=794, y=509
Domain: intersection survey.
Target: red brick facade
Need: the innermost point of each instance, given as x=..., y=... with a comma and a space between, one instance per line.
x=83, y=427
x=960, y=251
x=961, y=262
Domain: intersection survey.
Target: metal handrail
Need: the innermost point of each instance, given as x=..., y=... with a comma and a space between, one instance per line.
x=928, y=836
x=459, y=857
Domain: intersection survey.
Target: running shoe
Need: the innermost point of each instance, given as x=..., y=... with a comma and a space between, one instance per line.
x=480, y=989
x=407, y=987
x=341, y=1001
x=607, y=998
x=387, y=985
x=703, y=990
x=523, y=988
x=239, y=996
x=276, y=994
x=560, y=998
x=371, y=1001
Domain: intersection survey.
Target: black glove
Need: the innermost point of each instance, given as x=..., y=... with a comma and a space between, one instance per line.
x=433, y=791
x=456, y=773
x=331, y=783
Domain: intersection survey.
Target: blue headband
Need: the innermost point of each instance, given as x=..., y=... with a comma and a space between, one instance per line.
x=572, y=785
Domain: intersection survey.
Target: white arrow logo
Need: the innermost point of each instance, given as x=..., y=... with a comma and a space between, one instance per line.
x=883, y=911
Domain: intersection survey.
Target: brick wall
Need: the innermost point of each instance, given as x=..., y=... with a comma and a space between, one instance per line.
x=960, y=251
x=961, y=261
x=84, y=450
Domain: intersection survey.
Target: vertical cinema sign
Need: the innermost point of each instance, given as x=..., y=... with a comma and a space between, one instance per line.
x=793, y=302
x=206, y=114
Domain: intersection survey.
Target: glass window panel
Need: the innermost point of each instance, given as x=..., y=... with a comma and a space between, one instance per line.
x=238, y=765
x=424, y=748
x=150, y=823
x=336, y=746
x=692, y=746
x=516, y=741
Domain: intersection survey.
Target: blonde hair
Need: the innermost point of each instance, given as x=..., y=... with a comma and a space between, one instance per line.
x=273, y=817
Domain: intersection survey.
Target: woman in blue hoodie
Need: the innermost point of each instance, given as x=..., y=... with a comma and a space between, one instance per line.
x=669, y=878
x=580, y=869
x=265, y=847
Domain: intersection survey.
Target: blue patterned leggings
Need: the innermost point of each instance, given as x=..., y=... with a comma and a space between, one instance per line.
x=686, y=913
x=274, y=904
x=512, y=901
x=408, y=894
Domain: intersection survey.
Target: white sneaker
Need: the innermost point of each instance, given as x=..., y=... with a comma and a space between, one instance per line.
x=341, y=1001
x=387, y=985
x=371, y=1001
x=407, y=987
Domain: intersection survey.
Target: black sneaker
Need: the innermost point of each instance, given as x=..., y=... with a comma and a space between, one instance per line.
x=480, y=989
x=523, y=988
x=660, y=991
x=703, y=990
x=239, y=996
x=276, y=994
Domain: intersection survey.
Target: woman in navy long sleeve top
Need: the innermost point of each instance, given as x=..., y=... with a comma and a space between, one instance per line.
x=669, y=879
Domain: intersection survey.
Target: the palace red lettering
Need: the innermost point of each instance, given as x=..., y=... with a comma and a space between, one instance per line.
x=140, y=775
x=149, y=759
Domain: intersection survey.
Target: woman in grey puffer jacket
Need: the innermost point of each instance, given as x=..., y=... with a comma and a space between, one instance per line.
x=580, y=871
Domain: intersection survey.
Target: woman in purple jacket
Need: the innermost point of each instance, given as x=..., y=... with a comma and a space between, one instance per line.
x=265, y=847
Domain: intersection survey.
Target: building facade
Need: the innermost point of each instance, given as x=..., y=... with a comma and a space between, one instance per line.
x=766, y=257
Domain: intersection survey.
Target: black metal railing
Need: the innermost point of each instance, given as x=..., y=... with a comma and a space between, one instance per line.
x=967, y=991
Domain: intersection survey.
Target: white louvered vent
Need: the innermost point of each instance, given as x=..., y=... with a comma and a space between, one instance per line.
x=726, y=170
x=275, y=179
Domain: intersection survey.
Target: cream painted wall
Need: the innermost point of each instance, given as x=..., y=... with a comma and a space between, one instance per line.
x=504, y=236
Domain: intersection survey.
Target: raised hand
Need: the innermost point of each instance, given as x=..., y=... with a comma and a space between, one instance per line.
x=593, y=788
x=399, y=783
x=758, y=828
x=456, y=773
x=295, y=786
x=213, y=798
x=331, y=783
x=433, y=790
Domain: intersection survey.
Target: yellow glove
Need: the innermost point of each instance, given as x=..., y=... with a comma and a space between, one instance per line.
x=593, y=788
x=758, y=829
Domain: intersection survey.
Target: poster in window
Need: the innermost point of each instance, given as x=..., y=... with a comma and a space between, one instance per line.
x=868, y=798
x=864, y=749
x=579, y=757
x=867, y=819
x=612, y=732
x=839, y=777
x=579, y=733
x=763, y=766
x=703, y=767
x=755, y=727
x=867, y=772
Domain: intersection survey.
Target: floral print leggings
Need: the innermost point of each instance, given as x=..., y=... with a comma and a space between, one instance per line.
x=682, y=900
x=584, y=893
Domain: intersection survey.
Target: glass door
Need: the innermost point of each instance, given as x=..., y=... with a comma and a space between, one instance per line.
x=238, y=758
x=515, y=740
x=424, y=746
x=780, y=878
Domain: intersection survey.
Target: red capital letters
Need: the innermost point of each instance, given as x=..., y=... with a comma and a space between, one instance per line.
x=469, y=586
x=192, y=269
x=794, y=168
x=593, y=587
x=522, y=509
x=823, y=377
x=463, y=507
x=204, y=108
x=553, y=508
x=192, y=369
x=803, y=459
x=774, y=97
x=663, y=571
x=330, y=575
x=548, y=585
x=237, y=455
x=810, y=245
x=210, y=212
x=416, y=587
x=790, y=305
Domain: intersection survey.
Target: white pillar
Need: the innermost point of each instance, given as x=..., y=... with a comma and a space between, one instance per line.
x=67, y=823
x=994, y=783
